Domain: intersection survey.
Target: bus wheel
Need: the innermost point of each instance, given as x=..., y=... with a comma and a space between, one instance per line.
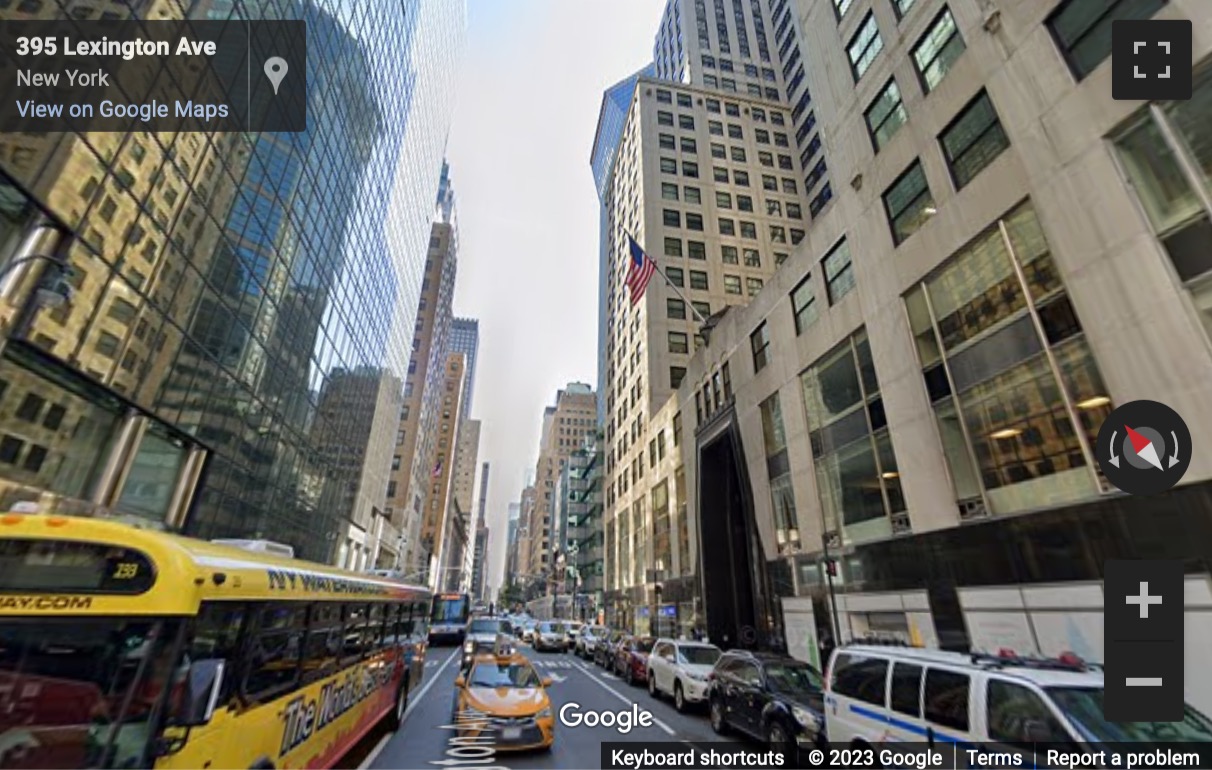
x=395, y=717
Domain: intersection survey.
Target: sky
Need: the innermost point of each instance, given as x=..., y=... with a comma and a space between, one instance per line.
x=529, y=94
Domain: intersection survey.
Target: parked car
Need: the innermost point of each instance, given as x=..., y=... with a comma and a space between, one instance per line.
x=872, y=696
x=549, y=635
x=603, y=652
x=631, y=658
x=772, y=698
x=680, y=668
x=572, y=629
x=588, y=640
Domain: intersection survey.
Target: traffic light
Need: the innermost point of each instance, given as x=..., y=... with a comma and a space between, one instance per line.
x=831, y=568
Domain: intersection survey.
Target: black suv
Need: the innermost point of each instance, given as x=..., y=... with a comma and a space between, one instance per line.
x=773, y=698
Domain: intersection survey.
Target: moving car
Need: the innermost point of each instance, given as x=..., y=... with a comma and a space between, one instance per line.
x=507, y=690
x=549, y=635
x=484, y=635
x=631, y=658
x=680, y=668
x=572, y=629
x=527, y=634
x=872, y=695
x=588, y=640
x=773, y=698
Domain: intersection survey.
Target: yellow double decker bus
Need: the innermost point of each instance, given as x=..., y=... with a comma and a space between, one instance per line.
x=124, y=647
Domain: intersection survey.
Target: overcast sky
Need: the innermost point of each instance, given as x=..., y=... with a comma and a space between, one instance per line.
x=519, y=149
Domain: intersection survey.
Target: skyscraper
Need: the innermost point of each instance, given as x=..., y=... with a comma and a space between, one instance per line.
x=437, y=523
x=465, y=339
x=423, y=413
x=479, y=565
x=565, y=426
x=226, y=290
x=612, y=118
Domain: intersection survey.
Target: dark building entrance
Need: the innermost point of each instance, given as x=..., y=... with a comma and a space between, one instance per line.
x=730, y=556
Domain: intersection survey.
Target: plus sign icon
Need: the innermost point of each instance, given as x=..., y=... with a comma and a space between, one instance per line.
x=1151, y=59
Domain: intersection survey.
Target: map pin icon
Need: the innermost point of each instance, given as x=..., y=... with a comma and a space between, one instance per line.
x=275, y=69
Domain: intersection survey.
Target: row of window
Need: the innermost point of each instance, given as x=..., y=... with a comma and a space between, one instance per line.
x=743, y=203
x=973, y=140
x=1081, y=30
x=276, y=646
x=732, y=109
x=737, y=154
x=933, y=55
x=838, y=270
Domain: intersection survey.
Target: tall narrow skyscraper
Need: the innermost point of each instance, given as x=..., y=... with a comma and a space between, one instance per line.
x=479, y=564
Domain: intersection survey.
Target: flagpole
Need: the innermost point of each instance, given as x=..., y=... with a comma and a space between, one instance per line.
x=671, y=285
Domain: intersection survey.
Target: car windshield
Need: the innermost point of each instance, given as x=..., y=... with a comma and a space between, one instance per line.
x=698, y=656
x=551, y=628
x=597, y=630
x=792, y=679
x=84, y=693
x=485, y=626
x=1084, y=708
x=519, y=675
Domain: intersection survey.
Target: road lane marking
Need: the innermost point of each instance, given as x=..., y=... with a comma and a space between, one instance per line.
x=375, y=752
x=625, y=699
x=412, y=701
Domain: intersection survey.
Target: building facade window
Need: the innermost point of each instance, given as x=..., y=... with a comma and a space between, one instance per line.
x=839, y=272
x=885, y=115
x=803, y=305
x=778, y=469
x=759, y=344
x=675, y=308
x=938, y=50
x=698, y=280
x=909, y=203
x=673, y=247
x=1006, y=365
x=902, y=7
x=973, y=140
x=1165, y=178
x=864, y=46
x=732, y=284
x=856, y=470
x=1082, y=28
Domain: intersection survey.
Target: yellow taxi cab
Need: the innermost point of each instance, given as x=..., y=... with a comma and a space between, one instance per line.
x=501, y=697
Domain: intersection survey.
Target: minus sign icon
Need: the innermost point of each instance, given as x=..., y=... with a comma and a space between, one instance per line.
x=1143, y=681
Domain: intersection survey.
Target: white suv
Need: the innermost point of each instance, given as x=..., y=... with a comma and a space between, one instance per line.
x=876, y=694
x=680, y=668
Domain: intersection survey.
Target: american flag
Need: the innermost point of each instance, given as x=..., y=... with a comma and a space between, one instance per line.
x=640, y=272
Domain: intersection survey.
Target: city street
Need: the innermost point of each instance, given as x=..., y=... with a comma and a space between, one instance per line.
x=421, y=742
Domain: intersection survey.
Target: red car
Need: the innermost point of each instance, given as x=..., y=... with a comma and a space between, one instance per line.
x=631, y=658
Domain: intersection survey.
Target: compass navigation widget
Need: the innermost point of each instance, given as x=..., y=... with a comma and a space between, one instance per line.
x=1144, y=447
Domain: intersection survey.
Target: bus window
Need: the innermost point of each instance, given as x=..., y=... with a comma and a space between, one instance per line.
x=391, y=624
x=355, y=625
x=420, y=615
x=274, y=660
x=217, y=635
x=322, y=647
x=372, y=634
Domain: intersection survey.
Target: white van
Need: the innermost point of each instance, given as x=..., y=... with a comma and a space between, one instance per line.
x=877, y=694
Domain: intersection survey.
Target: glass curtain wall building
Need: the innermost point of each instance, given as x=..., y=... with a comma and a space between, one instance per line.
x=238, y=310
